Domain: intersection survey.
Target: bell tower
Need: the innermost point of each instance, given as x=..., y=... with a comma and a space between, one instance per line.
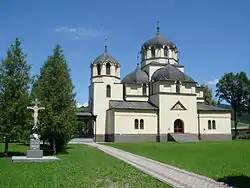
x=104, y=86
x=105, y=65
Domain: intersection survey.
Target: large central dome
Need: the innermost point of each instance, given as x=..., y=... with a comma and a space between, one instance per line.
x=159, y=40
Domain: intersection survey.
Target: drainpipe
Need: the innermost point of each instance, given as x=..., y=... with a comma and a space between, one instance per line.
x=95, y=129
x=199, y=129
x=158, y=139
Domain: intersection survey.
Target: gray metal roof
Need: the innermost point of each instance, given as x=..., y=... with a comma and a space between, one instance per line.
x=137, y=105
x=205, y=107
x=136, y=77
x=105, y=57
x=170, y=72
x=84, y=114
x=159, y=40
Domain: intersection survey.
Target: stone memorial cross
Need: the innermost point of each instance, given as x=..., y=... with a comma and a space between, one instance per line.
x=35, y=108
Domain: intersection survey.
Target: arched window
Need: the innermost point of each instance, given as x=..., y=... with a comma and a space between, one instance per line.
x=144, y=89
x=209, y=125
x=141, y=124
x=108, y=69
x=152, y=51
x=108, y=91
x=98, y=69
x=136, y=124
x=178, y=87
x=166, y=51
x=214, y=124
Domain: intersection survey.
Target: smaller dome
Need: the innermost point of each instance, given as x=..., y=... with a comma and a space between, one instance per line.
x=170, y=72
x=105, y=57
x=136, y=77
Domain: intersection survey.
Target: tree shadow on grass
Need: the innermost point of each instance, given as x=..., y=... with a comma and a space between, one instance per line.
x=12, y=153
x=46, y=151
x=236, y=181
x=23, y=144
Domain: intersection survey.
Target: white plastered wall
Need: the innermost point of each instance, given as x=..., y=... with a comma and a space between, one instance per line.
x=134, y=92
x=124, y=122
x=101, y=102
x=168, y=116
x=222, y=119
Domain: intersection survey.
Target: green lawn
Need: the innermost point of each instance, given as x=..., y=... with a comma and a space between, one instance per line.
x=213, y=159
x=82, y=166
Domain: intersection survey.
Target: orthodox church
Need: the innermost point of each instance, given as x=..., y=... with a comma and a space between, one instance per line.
x=156, y=102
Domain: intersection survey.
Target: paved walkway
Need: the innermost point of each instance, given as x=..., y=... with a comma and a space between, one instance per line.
x=173, y=176
x=80, y=140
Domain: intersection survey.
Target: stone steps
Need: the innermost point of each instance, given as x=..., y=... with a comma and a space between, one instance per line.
x=185, y=137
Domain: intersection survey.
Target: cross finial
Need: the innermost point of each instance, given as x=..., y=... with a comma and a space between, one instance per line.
x=36, y=102
x=158, y=26
x=106, y=46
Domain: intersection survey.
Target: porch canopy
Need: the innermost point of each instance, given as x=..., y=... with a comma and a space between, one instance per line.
x=85, y=116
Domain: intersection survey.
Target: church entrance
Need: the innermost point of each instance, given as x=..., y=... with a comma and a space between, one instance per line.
x=178, y=126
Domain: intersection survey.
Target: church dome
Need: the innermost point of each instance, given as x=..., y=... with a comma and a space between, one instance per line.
x=104, y=57
x=136, y=77
x=159, y=40
x=169, y=72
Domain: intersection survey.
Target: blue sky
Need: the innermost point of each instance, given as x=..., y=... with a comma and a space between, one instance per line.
x=213, y=37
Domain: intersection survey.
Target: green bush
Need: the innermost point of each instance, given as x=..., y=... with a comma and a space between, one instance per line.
x=244, y=136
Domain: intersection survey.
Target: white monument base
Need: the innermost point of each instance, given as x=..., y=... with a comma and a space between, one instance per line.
x=24, y=159
x=34, y=154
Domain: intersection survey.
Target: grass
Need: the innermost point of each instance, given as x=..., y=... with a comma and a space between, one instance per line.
x=223, y=161
x=82, y=166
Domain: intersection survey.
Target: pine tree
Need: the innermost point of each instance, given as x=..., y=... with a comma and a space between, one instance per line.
x=54, y=89
x=14, y=93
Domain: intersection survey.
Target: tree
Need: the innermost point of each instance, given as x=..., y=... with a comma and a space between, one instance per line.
x=208, y=95
x=83, y=109
x=54, y=88
x=14, y=93
x=234, y=89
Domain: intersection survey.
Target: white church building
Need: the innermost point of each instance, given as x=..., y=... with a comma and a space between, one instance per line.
x=156, y=102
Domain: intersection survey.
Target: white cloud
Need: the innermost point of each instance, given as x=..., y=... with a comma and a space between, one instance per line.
x=78, y=105
x=79, y=32
x=213, y=82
